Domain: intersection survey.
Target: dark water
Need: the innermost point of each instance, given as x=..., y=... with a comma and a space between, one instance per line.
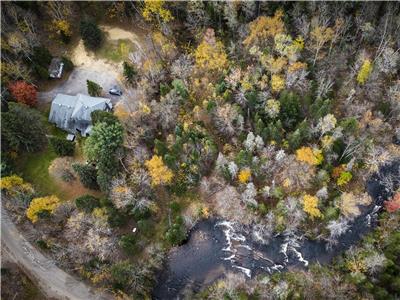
x=216, y=246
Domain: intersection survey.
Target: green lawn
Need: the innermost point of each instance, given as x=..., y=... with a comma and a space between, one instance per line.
x=116, y=51
x=34, y=168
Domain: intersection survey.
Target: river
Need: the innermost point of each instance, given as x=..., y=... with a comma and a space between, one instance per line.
x=216, y=246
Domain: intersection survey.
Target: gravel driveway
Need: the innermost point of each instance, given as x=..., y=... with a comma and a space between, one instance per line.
x=87, y=66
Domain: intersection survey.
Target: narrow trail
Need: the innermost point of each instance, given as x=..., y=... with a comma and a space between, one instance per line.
x=52, y=281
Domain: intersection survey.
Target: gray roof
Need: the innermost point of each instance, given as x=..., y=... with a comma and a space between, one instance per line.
x=73, y=112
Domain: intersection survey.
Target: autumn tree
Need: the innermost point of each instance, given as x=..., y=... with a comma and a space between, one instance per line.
x=155, y=10
x=40, y=207
x=320, y=36
x=23, y=92
x=210, y=55
x=244, y=175
x=159, y=172
x=350, y=202
x=60, y=14
x=22, y=128
x=310, y=206
x=263, y=28
x=364, y=72
x=309, y=155
x=15, y=187
x=393, y=204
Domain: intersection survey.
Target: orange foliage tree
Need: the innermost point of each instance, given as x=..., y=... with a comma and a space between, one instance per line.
x=23, y=92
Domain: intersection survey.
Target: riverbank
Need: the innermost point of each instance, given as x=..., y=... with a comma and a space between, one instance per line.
x=216, y=246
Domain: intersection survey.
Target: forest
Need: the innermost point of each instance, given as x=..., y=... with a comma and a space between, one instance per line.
x=247, y=149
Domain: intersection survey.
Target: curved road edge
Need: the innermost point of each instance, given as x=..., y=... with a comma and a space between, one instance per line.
x=53, y=282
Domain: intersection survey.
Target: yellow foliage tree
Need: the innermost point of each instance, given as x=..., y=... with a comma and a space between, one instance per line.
x=154, y=9
x=166, y=45
x=14, y=185
x=61, y=26
x=310, y=206
x=244, y=175
x=38, y=205
x=159, y=172
x=263, y=28
x=309, y=155
x=277, y=83
x=210, y=54
x=274, y=65
x=320, y=35
x=364, y=72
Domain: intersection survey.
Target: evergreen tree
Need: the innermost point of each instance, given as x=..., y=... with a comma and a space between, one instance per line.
x=87, y=175
x=22, y=129
x=91, y=35
x=62, y=147
x=93, y=88
x=129, y=71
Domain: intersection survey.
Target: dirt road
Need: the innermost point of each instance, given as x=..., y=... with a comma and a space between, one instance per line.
x=54, y=282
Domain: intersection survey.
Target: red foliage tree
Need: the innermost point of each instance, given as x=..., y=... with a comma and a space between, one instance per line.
x=394, y=204
x=23, y=92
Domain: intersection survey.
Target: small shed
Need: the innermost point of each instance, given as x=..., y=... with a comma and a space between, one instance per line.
x=56, y=68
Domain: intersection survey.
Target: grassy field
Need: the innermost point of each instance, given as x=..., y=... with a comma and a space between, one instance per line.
x=115, y=51
x=34, y=168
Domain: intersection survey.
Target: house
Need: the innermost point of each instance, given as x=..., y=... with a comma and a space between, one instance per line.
x=56, y=68
x=72, y=113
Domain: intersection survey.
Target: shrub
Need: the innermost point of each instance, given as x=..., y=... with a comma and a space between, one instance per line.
x=128, y=243
x=42, y=244
x=116, y=218
x=67, y=175
x=91, y=35
x=62, y=147
x=164, y=89
x=176, y=234
x=175, y=207
x=87, y=203
x=344, y=178
x=146, y=228
x=180, y=88
x=87, y=175
x=68, y=65
x=121, y=274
